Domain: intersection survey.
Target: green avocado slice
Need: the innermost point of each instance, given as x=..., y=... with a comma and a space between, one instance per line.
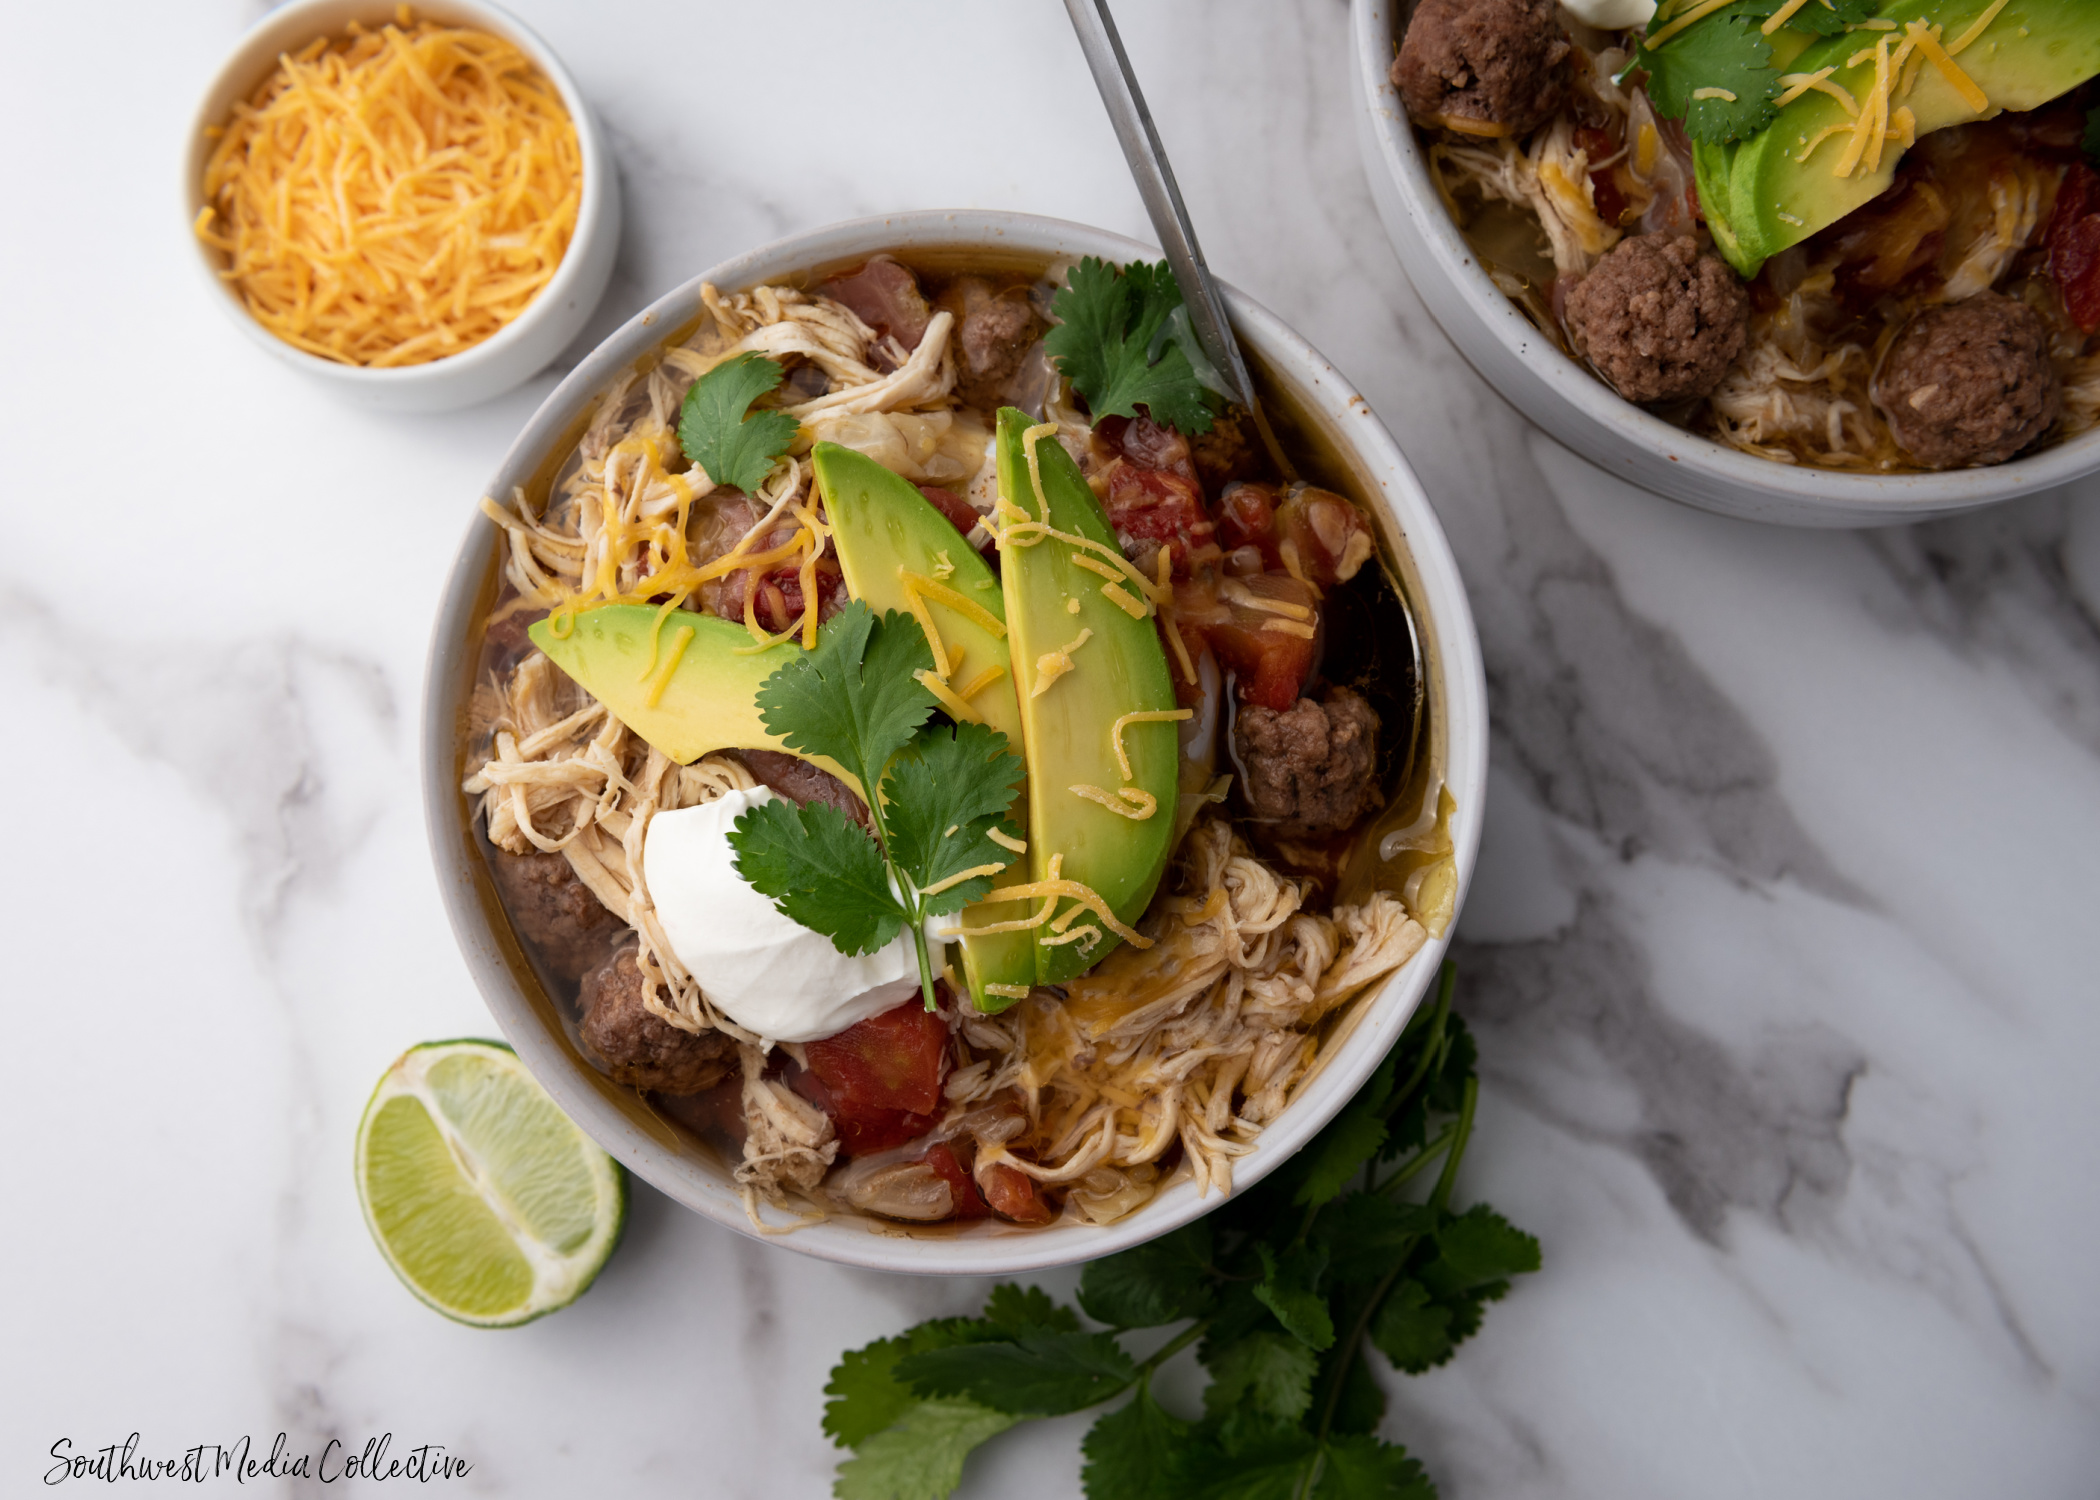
x=884, y=529
x=1760, y=197
x=709, y=699
x=1067, y=717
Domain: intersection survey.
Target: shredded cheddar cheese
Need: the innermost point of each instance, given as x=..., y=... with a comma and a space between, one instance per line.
x=679, y=641
x=1781, y=16
x=1052, y=665
x=1134, y=803
x=1290, y=627
x=1982, y=25
x=1007, y=841
x=1696, y=14
x=980, y=682
x=1713, y=93
x=1143, y=716
x=391, y=197
x=956, y=706
x=959, y=877
x=1921, y=35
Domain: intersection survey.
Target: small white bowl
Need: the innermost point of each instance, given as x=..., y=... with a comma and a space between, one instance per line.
x=1321, y=399
x=516, y=352
x=1582, y=411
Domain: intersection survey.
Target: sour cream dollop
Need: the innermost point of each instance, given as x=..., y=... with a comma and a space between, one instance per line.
x=1611, y=15
x=771, y=975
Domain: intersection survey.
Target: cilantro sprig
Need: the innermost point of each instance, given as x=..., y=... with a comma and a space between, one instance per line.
x=719, y=431
x=936, y=792
x=1725, y=51
x=1121, y=347
x=1284, y=1291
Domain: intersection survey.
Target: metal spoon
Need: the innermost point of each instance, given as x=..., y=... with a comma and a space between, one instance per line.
x=1125, y=101
x=1103, y=47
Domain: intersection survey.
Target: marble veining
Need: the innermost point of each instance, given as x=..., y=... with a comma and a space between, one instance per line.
x=1780, y=953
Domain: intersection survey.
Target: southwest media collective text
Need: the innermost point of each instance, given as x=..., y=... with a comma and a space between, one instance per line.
x=238, y=1461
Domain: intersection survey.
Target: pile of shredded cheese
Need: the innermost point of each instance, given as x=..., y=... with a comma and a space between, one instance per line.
x=391, y=197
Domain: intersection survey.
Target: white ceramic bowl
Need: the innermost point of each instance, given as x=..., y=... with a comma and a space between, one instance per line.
x=522, y=348
x=1587, y=415
x=1311, y=391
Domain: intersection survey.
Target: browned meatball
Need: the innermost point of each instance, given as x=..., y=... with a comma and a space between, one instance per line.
x=554, y=911
x=642, y=1050
x=993, y=334
x=1311, y=770
x=1660, y=320
x=1970, y=382
x=1495, y=61
x=799, y=781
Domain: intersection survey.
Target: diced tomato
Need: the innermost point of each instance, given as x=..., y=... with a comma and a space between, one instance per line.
x=886, y=297
x=1267, y=650
x=1610, y=198
x=2073, y=242
x=1163, y=509
x=1247, y=518
x=1331, y=536
x=862, y=1130
x=959, y=512
x=969, y=1203
x=892, y=1061
x=1013, y=1194
x=1147, y=444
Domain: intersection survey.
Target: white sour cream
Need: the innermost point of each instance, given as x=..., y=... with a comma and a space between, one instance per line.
x=1611, y=15
x=771, y=975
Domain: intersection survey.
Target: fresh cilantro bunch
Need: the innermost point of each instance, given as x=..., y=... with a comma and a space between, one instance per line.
x=1121, y=346
x=1284, y=1287
x=857, y=699
x=719, y=431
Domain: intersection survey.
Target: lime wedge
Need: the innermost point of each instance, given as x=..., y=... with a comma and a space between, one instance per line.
x=483, y=1196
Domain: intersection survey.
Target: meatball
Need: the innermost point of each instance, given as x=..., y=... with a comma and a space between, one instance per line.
x=554, y=911
x=1495, y=61
x=642, y=1050
x=993, y=334
x=1659, y=319
x=1312, y=769
x=802, y=783
x=1969, y=383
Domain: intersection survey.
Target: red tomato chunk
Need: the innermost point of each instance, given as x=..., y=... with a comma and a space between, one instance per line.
x=969, y=1203
x=880, y=1080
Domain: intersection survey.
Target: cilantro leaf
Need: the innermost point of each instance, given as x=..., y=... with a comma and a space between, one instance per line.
x=1412, y=1330
x=1339, y=1152
x=1362, y=1468
x=1478, y=1249
x=1244, y=1459
x=855, y=697
x=1038, y=1374
x=1268, y=1373
x=1725, y=51
x=715, y=432
x=1131, y=1452
x=1111, y=344
x=1015, y=1310
x=945, y=792
x=866, y=1394
x=920, y=1456
x=1289, y=1289
x=821, y=870
x=1160, y=1281
x=1360, y=1404
x=1368, y=1235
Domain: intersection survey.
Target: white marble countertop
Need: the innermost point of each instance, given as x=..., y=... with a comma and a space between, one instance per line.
x=1782, y=952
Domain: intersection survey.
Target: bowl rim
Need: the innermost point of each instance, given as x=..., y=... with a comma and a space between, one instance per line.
x=988, y=1248
x=245, y=65
x=1858, y=497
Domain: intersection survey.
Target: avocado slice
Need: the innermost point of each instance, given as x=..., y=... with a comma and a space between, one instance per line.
x=708, y=702
x=883, y=529
x=2031, y=52
x=1067, y=721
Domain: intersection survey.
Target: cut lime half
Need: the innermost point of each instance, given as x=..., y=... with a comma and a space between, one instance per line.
x=482, y=1195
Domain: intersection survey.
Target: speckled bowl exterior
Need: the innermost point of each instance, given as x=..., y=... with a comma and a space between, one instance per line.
x=515, y=353
x=1324, y=402
x=1587, y=415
